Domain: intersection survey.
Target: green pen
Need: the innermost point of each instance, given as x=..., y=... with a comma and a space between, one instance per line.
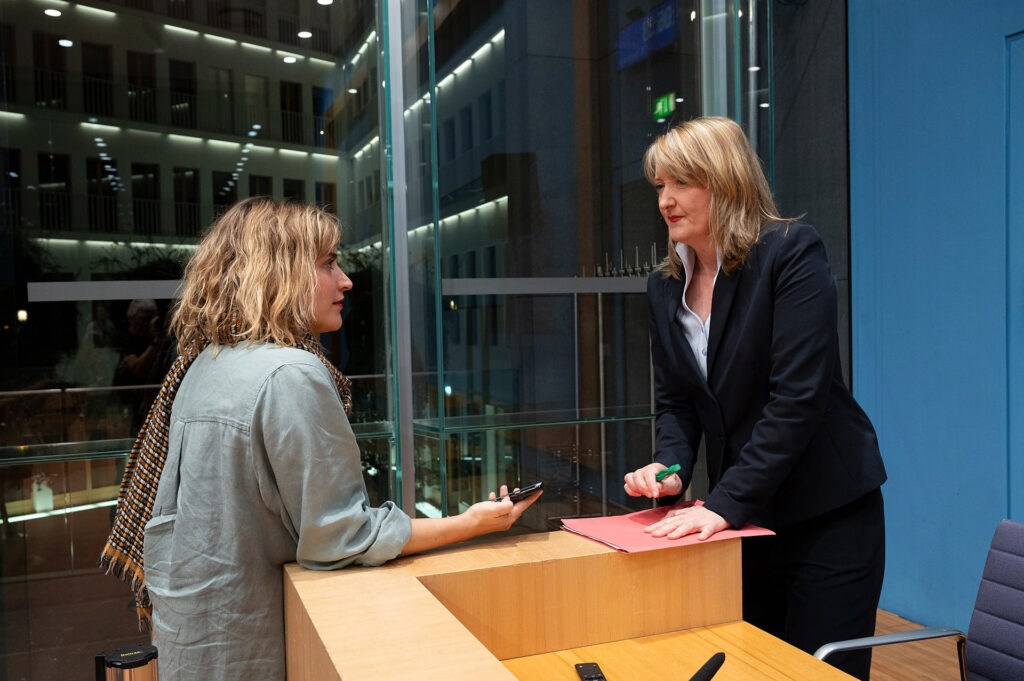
x=674, y=468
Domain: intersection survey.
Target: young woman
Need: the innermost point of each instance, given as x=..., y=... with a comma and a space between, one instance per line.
x=256, y=462
x=746, y=354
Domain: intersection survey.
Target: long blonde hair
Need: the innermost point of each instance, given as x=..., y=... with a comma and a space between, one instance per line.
x=713, y=153
x=253, y=277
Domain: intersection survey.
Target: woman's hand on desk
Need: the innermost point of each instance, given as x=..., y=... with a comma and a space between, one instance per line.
x=680, y=522
x=643, y=482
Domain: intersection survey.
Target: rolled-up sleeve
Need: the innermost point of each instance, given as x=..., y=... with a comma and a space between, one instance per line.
x=301, y=429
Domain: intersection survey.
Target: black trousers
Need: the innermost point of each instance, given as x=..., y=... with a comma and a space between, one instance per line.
x=818, y=581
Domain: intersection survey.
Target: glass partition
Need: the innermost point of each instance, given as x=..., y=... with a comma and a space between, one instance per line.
x=530, y=229
x=126, y=127
x=483, y=157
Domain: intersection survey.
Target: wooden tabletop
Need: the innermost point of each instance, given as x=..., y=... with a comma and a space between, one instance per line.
x=533, y=601
x=750, y=655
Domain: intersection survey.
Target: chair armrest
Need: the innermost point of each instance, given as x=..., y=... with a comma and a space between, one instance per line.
x=888, y=639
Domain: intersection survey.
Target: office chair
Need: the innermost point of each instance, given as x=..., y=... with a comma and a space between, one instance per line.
x=994, y=649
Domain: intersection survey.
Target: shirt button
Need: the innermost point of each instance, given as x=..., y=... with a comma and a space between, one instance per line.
x=704, y=351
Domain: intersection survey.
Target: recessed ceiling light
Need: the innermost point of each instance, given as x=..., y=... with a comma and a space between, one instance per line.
x=289, y=60
x=305, y=34
x=51, y=12
x=64, y=42
x=352, y=90
x=325, y=2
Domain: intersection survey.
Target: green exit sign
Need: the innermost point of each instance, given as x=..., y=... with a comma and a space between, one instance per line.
x=664, y=105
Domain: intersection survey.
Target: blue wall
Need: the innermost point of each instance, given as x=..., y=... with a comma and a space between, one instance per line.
x=937, y=275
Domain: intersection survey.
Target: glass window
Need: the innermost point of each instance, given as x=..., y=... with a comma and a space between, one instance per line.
x=294, y=189
x=97, y=79
x=261, y=185
x=503, y=193
x=186, y=201
x=141, y=86
x=146, y=198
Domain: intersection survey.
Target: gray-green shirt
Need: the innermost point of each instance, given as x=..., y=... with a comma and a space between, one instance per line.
x=262, y=469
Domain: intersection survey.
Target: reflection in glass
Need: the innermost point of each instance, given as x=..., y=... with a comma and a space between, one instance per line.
x=127, y=127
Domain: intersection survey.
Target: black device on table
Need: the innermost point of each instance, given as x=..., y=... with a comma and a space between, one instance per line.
x=523, y=492
x=589, y=671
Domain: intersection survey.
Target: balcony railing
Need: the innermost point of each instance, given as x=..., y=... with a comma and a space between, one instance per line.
x=207, y=110
x=10, y=207
x=186, y=218
x=288, y=30
x=51, y=89
x=323, y=132
x=102, y=213
x=291, y=127
x=54, y=209
x=98, y=96
x=183, y=109
x=180, y=9
x=141, y=103
x=146, y=216
x=7, y=83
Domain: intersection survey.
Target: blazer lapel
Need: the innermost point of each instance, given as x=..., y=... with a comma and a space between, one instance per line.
x=673, y=297
x=721, y=303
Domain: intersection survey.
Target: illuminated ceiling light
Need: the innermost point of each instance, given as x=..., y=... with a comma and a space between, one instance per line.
x=256, y=126
x=305, y=34
x=352, y=90
x=680, y=99
x=94, y=120
x=693, y=15
x=245, y=158
x=51, y=12
x=289, y=60
x=97, y=139
x=741, y=14
x=325, y=2
x=64, y=42
x=252, y=133
x=22, y=315
x=101, y=144
x=764, y=105
x=753, y=69
x=321, y=132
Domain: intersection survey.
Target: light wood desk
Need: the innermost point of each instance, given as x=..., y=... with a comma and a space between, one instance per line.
x=528, y=608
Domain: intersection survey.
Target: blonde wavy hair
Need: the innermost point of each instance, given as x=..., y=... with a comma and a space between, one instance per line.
x=712, y=152
x=253, y=277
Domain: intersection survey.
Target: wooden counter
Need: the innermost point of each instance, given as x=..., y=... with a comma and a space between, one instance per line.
x=526, y=607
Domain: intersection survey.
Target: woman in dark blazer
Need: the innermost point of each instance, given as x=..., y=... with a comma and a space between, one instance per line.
x=746, y=354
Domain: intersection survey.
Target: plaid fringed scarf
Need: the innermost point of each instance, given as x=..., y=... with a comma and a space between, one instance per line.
x=122, y=554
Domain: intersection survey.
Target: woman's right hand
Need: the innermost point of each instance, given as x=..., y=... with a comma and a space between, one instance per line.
x=641, y=482
x=480, y=518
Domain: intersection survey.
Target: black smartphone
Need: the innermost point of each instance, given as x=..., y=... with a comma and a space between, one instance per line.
x=524, y=492
x=589, y=671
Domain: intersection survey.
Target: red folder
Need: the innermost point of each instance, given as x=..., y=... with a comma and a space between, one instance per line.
x=626, y=532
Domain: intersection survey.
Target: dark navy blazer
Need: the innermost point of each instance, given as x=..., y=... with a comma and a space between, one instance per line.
x=785, y=439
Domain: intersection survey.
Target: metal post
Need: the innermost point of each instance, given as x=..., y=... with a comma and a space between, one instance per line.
x=395, y=107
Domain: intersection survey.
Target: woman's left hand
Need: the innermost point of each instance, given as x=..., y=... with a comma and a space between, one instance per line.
x=680, y=522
